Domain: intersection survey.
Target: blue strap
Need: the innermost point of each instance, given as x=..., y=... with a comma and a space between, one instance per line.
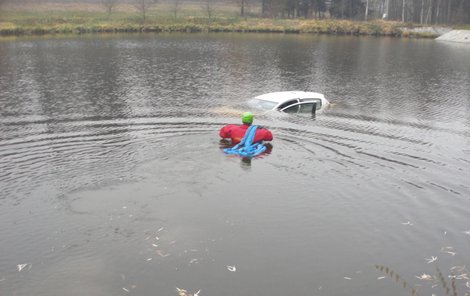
x=246, y=148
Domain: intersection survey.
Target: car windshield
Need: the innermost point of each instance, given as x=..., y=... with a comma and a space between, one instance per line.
x=261, y=104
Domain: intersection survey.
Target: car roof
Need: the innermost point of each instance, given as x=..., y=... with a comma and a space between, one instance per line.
x=282, y=96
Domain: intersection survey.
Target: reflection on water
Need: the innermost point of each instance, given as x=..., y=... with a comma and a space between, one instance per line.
x=113, y=179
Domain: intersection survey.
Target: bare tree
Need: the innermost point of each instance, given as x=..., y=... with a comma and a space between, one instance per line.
x=421, y=14
x=386, y=10
x=143, y=6
x=449, y=11
x=175, y=7
x=108, y=5
x=463, y=11
x=367, y=10
x=278, y=8
x=263, y=7
x=242, y=4
x=438, y=10
x=428, y=14
x=403, y=11
x=209, y=8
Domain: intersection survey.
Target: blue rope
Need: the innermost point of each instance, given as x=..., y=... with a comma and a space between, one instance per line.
x=246, y=148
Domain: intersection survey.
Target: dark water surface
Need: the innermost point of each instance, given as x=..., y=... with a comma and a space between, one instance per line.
x=113, y=182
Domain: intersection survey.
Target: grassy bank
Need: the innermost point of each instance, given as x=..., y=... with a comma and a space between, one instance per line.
x=18, y=20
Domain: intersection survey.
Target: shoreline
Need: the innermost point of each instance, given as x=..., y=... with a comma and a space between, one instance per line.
x=190, y=25
x=49, y=18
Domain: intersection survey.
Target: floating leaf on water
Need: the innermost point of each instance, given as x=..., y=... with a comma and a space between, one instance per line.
x=462, y=276
x=448, y=250
x=181, y=292
x=432, y=259
x=232, y=268
x=22, y=266
x=425, y=277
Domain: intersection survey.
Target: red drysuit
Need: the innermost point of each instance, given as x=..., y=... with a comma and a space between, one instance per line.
x=236, y=133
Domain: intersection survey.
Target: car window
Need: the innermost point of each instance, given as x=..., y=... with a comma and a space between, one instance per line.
x=288, y=103
x=306, y=107
x=293, y=109
x=261, y=104
x=317, y=101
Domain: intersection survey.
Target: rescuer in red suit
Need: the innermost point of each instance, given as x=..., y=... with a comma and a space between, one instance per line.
x=236, y=132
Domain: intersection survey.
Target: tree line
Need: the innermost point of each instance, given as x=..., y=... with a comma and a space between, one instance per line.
x=430, y=12
x=416, y=11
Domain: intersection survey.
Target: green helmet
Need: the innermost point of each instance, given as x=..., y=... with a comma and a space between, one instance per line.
x=247, y=117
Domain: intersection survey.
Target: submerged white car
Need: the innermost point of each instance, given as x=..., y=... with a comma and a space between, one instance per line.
x=290, y=102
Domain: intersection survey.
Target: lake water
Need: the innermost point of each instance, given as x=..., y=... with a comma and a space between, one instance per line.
x=113, y=181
